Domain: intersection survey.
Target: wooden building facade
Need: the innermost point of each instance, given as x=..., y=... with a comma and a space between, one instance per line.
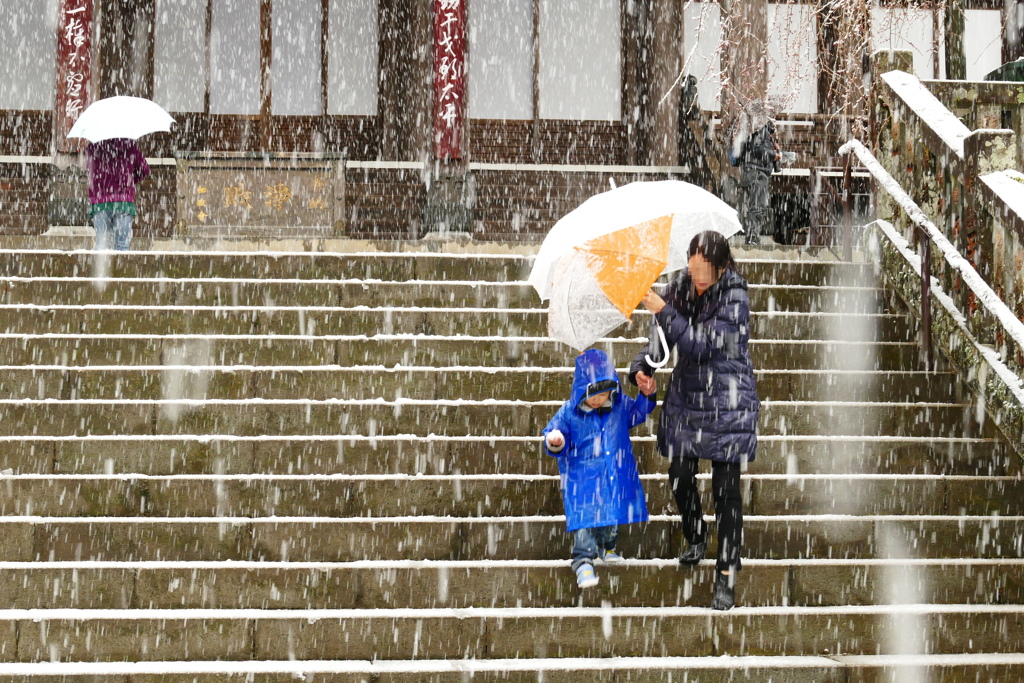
x=540, y=83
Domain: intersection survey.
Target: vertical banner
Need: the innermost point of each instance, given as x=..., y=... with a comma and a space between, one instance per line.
x=74, y=68
x=449, y=77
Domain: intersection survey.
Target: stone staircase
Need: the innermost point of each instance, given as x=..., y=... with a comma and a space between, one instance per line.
x=328, y=464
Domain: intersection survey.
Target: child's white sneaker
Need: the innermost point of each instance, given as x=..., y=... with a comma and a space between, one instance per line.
x=611, y=556
x=585, y=576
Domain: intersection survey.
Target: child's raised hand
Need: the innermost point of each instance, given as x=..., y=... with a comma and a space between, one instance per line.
x=555, y=440
x=647, y=385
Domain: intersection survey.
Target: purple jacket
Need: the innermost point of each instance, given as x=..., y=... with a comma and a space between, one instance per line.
x=114, y=167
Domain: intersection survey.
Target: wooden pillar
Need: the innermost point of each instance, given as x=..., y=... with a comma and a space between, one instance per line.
x=956, y=59
x=644, y=38
x=666, y=85
x=1013, y=30
x=630, y=98
x=266, y=58
x=745, y=61
x=829, y=30
x=419, y=86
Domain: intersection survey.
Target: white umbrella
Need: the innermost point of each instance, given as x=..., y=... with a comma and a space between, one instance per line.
x=121, y=117
x=598, y=261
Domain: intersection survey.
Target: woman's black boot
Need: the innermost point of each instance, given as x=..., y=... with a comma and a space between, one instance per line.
x=725, y=591
x=693, y=553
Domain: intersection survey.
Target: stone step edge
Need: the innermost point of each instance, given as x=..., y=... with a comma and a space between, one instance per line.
x=314, y=255
x=229, y=520
x=424, y=402
x=11, y=476
x=399, y=337
x=485, y=565
x=606, y=611
x=208, y=308
x=539, y=665
x=375, y=282
x=437, y=438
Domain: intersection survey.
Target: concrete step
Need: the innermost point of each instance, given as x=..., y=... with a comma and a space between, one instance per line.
x=489, y=495
x=455, y=417
x=534, y=537
x=360, y=292
x=408, y=634
x=790, y=268
x=953, y=668
x=423, y=584
x=455, y=321
x=322, y=382
x=271, y=265
x=385, y=351
x=164, y=454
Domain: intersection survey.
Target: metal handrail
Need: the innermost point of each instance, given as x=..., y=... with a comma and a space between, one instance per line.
x=930, y=233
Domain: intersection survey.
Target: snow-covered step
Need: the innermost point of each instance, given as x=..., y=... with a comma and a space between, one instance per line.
x=453, y=417
x=368, y=536
x=482, y=495
x=822, y=669
x=153, y=381
x=384, y=265
x=479, y=453
x=485, y=633
x=819, y=668
x=380, y=584
x=386, y=351
x=372, y=292
x=433, y=320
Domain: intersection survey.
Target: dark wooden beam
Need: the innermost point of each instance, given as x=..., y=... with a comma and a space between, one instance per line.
x=266, y=85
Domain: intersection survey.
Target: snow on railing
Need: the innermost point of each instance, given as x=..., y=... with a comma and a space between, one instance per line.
x=986, y=296
x=928, y=107
x=1013, y=382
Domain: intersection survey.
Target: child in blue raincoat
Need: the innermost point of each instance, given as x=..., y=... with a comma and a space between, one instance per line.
x=589, y=435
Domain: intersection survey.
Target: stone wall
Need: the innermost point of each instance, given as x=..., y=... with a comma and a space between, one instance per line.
x=962, y=178
x=937, y=141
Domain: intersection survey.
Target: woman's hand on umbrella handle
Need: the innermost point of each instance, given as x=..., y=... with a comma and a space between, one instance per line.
x=646, y=384
x=652, y=302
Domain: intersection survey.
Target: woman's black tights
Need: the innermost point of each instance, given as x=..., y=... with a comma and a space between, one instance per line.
x=725, y=489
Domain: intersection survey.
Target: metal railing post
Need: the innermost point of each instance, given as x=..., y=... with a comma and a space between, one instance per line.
x=847, y=212
x=926, y=299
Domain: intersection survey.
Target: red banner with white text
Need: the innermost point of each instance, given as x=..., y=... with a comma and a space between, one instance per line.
x=449, y=77
x=74, y=68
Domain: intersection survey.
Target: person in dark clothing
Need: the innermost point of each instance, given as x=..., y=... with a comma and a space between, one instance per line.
x=711, y=406
x=757, y=153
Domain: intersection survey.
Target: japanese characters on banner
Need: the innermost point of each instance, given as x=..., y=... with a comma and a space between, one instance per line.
x=74, y=67
x=449, y=77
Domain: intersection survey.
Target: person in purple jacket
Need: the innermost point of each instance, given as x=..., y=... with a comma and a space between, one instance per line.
x=711, y=406
x=114, y=167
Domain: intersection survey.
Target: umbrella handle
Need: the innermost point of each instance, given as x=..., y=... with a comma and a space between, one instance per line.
x=664, y=346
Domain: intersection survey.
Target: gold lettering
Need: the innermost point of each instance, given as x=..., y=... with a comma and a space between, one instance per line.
x=277, y=196
x=237, y=195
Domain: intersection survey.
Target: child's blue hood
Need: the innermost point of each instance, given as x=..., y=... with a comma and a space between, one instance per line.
x=592, y=366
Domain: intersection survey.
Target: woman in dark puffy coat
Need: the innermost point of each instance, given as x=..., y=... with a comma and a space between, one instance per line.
x=711, y=406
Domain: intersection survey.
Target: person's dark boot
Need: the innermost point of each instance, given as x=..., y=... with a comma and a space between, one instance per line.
x=693, y=553
x=752, y=239
x=725, y=591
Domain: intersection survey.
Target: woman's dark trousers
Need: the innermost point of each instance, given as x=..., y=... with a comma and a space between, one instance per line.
x=725, y=489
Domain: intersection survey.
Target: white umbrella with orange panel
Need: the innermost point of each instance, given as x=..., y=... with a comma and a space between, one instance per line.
x=598, y=261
